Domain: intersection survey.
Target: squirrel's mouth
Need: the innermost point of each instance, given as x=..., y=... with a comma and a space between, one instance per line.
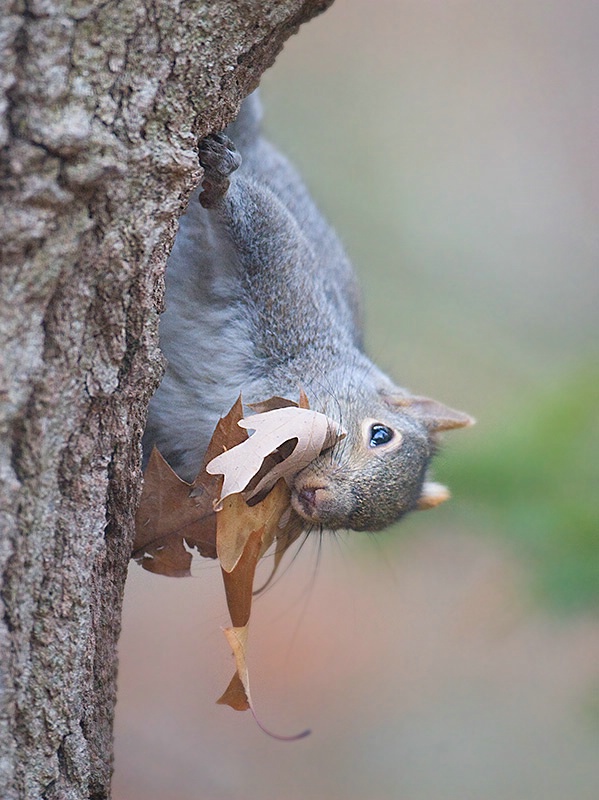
x=321, y=497
x=317, y=504
x=308, y=500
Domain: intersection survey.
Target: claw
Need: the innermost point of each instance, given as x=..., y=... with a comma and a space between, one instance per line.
x=219, y=158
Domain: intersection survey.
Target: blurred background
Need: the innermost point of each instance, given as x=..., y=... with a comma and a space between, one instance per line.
x=456, y=657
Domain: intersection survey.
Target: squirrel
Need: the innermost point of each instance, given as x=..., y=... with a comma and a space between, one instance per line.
x=262, y=300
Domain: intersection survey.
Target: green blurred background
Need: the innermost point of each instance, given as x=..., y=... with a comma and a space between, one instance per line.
x=454, y=147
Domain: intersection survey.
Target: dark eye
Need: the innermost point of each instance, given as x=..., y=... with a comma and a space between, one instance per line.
x=380, y=434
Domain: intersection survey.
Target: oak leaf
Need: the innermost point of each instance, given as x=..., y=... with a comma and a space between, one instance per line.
x=237, y=694
x=174, y=516
x=261, y=524
x=280, y=402
x=169, y=523
x=236, y=521
x=311, y=431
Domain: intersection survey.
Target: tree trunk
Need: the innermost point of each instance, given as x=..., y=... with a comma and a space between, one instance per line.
x=101, y=106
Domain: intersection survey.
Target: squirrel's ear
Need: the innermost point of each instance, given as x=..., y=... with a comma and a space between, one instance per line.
x=434, y=415
x=433, y=494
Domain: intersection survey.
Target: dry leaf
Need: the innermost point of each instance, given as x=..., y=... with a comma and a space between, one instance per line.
x=175, y=516
x=236, y=521
x=238, y=589
x=303, y=399
x=272, y=404
x=260, y=524
x=277, y=521
x=237, y=694
x=239, y=582
x=314, y=432
x=289, y=533
x=227, y=434
x=279, y=402
x=166, y=518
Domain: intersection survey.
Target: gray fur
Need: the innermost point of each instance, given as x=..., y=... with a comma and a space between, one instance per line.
x=260, y=300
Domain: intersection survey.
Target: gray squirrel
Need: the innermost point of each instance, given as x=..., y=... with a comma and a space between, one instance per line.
x=262, y=300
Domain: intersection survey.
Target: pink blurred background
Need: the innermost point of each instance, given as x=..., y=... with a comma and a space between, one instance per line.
x=454, y=146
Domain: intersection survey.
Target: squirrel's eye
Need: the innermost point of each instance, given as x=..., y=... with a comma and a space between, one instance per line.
x=380, y=434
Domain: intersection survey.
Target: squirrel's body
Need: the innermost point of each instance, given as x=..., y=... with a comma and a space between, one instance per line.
x=261, y=300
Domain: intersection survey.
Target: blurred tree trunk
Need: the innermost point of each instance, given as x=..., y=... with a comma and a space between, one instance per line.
x=101, y=106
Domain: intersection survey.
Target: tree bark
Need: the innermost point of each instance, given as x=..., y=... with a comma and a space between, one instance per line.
x=101, y=107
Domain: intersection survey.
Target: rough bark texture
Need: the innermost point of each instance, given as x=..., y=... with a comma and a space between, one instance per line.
x=101, y=106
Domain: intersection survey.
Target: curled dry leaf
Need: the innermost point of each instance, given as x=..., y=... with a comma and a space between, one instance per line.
x=272, y=404
x=169, y=522
x=261, y=524
x=236, y=521
x=313, y=431
x=280, y=402
x=237, y=694
x=291, y=527
x=174, y=517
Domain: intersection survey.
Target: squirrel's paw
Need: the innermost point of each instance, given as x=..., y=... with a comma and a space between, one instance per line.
x=219, y=158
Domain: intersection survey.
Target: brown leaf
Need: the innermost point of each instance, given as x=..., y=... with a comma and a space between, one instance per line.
x=243, y=534
x=236, y=521
x=238, y=588
x=280, y=402
x=239, y=581
x=250, y=493
x=237, y=638
x=272, y=404
x=166, y=518
x=235, y=695
x=303, y=399
x=227, y=434
x=313, y=431
x=175, y=516
x=292, y=528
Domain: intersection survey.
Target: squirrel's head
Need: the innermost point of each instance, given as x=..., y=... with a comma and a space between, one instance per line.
x=378, y=472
